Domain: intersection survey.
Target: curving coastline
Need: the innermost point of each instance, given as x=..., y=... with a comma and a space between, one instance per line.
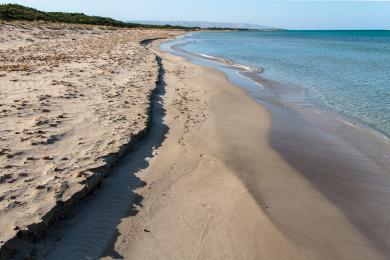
x=235, y=179
x=346, y=164
x=218, y=175
x=275, y=93
x=325, y=68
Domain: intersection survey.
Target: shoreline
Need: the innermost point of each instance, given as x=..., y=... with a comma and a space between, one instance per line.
x=183, y=154
x=221, y=176
x=365, y=161
x=223, y=185
x=254, y=73
x=364, y=137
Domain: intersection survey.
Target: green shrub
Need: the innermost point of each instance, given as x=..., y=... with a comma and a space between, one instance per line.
x=13, y=12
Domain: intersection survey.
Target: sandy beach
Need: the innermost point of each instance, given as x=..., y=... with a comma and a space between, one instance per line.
x=73, y=100
x=207, y=172
x=236, y=180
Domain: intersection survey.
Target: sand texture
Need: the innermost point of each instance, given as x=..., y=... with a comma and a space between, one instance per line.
x=187, y=198
x=232, y=180
x=216, y=174
x=71, y=102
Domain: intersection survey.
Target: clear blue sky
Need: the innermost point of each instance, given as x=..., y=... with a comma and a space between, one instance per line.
x=284, y=14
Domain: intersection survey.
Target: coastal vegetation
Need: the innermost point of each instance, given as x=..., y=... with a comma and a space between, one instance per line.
x=15, y=12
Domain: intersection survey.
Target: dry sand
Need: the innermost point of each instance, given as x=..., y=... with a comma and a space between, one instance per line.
x=219, y=176
x=72, y=100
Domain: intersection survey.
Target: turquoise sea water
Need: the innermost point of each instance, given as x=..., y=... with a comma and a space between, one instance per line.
x=344, y=71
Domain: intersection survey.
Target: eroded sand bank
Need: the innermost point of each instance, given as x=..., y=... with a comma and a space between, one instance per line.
x=72, y=100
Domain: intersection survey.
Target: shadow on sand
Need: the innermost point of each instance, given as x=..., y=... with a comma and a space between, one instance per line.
x=90, y=229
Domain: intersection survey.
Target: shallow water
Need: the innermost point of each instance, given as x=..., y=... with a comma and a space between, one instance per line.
x=281, y=99
x=347, y=72
x=347, y=164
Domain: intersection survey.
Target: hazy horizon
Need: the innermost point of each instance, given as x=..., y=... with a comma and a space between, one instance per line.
x=295, y=15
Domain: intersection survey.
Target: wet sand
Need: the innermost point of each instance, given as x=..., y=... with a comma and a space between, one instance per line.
x=355, y=185
x=346, y=162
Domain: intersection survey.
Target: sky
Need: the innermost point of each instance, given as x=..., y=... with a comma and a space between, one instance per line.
x=288, y=14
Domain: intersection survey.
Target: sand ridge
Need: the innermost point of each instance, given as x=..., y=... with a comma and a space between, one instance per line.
x=71, y=100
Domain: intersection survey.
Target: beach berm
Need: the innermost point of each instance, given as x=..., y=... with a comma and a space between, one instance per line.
x=73, y=100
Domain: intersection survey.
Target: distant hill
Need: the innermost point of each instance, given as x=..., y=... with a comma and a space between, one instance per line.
x=13, y=12
x=20, y=12
x=207, y=25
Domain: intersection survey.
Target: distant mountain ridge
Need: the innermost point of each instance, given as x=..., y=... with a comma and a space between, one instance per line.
x=205, y=25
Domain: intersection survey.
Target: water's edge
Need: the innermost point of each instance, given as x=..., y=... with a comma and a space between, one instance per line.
x=366, y=139
x=344, y=73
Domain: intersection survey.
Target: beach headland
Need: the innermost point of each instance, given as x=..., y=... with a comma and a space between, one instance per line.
x=218, y=175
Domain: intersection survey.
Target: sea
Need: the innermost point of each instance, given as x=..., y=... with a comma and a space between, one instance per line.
x=344, y=72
